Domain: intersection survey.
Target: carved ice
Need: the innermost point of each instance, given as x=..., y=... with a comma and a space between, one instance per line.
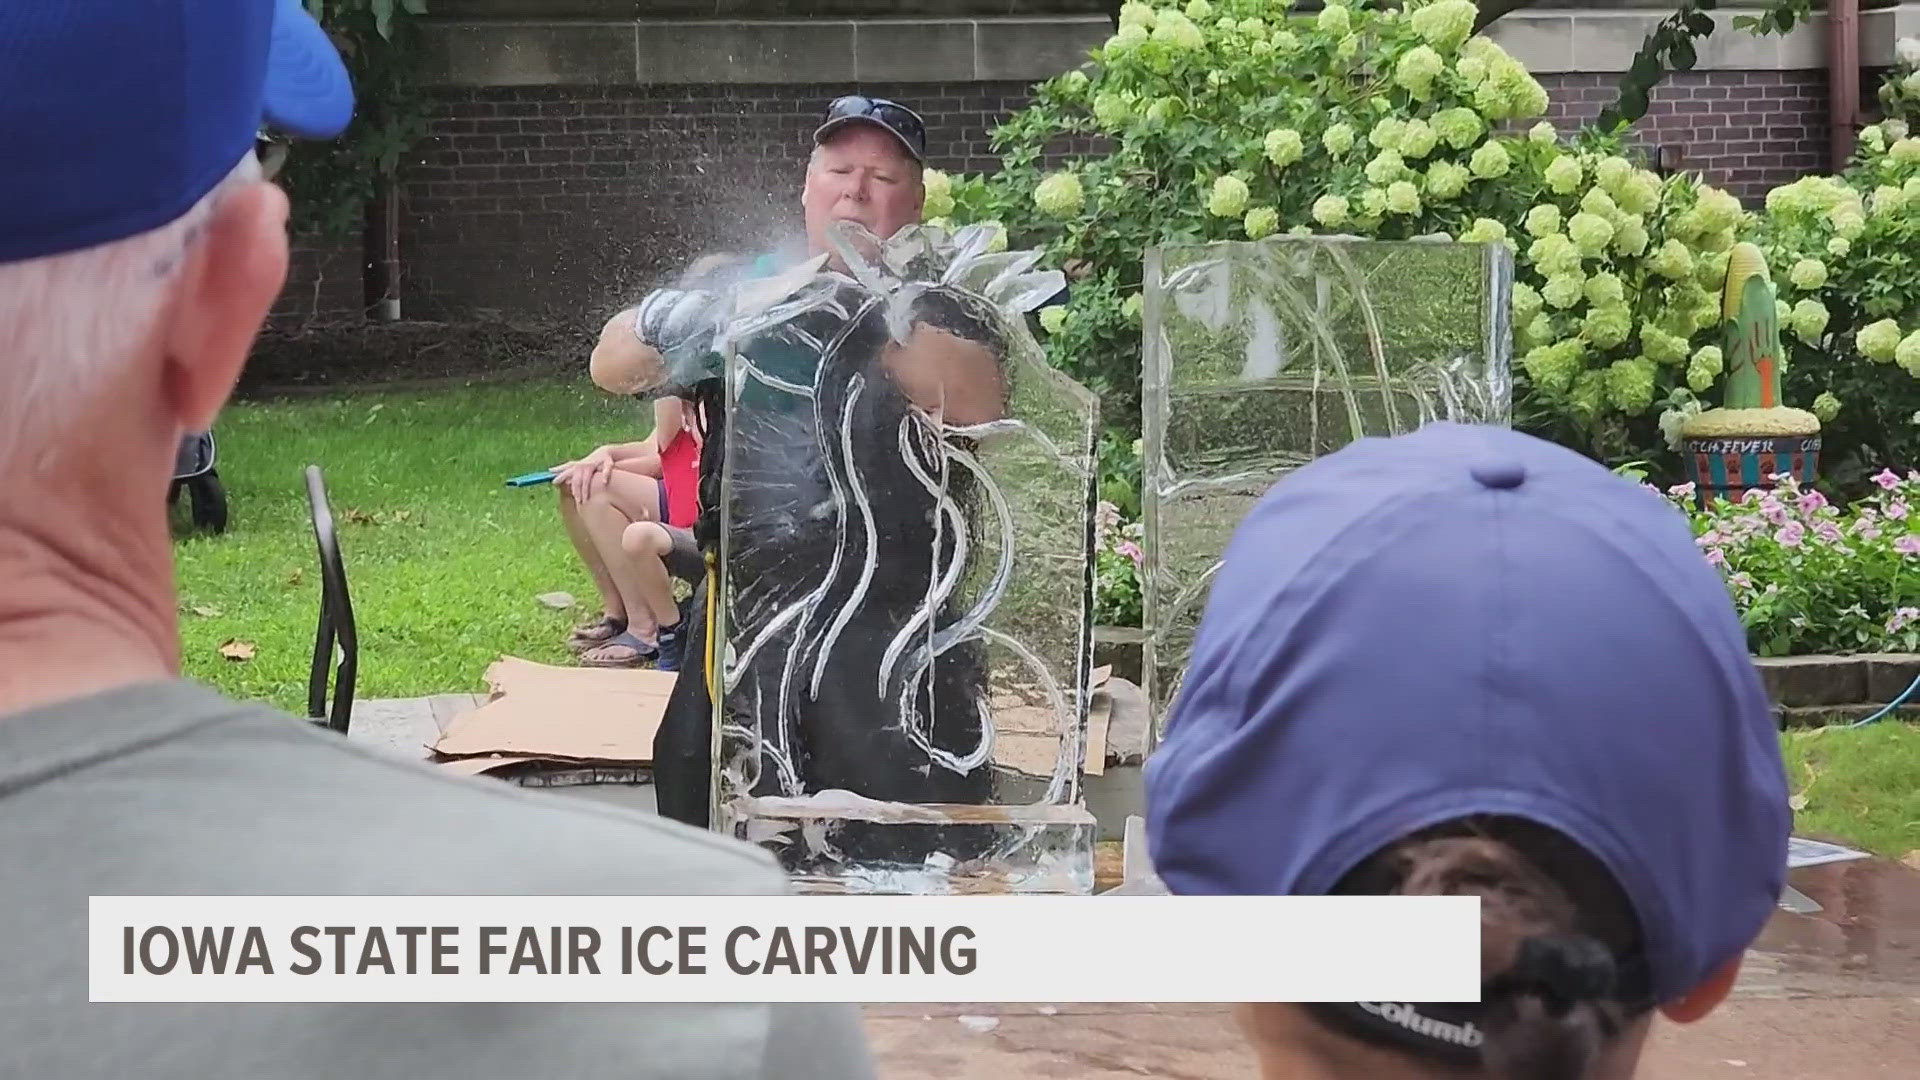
x=904, y=603
x=1260, y=357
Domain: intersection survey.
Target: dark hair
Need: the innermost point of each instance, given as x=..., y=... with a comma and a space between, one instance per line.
x=1561, y=955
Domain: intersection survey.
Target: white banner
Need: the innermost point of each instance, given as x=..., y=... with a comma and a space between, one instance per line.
x=784, y=948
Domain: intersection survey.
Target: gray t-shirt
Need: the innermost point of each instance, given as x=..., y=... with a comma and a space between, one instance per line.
x=168, y=789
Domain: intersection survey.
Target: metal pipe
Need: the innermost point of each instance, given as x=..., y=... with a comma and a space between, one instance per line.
x=1843, y=78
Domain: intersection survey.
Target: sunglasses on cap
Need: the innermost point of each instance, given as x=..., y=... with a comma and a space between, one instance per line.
x=903, y=122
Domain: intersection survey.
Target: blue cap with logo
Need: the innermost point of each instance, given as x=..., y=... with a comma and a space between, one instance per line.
x=117, y=116
x=1468, y=621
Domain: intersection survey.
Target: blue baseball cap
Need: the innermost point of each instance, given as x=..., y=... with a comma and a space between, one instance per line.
x=1468, y=621
x=117, y=116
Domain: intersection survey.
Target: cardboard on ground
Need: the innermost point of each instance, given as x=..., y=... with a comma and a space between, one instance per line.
x=543, y=712
x=540, y=712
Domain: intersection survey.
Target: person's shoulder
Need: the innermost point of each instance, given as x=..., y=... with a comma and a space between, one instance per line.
x=399, y=825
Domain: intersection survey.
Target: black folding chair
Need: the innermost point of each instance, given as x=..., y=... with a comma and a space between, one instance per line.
x=336, y=619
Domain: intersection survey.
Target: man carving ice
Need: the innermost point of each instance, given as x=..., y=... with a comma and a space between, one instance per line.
x=794, y=492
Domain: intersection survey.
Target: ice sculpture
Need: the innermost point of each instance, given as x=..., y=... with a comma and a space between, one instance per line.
x=1260, y=357
x=904, y=600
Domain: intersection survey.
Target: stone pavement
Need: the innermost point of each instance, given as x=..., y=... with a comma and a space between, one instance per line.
x=1832, y=995
x=1748, y=1038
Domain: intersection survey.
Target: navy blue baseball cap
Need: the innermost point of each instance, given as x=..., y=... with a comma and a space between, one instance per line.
x=117, y=116
x=1467, y=621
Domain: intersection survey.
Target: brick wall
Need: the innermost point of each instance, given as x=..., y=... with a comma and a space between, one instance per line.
x=323, y=285
x=571, y=200
x=1746, y=131
x=758, y=9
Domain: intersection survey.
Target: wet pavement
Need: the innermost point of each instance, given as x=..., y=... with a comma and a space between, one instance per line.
x=1831, y=995
x=1865, y=940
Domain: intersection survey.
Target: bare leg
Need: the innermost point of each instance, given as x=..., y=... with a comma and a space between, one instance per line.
x=626, y=499
x=610, y=602
x=648, y=544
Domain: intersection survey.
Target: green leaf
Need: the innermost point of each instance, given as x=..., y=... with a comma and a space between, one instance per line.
x=1633, y=102
x=414, y=7
x=1681, y=54
x=383, y=17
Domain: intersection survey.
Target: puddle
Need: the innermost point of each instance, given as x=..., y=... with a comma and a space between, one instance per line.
x=1867, y=932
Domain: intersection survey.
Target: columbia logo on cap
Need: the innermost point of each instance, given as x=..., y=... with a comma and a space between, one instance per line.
x=1396, y=1012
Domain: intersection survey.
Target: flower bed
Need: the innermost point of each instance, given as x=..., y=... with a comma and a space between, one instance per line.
x=1118, y=560
x=1808, y=577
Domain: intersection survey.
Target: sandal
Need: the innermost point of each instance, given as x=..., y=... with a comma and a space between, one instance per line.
x=589, y=635
x=638, y=652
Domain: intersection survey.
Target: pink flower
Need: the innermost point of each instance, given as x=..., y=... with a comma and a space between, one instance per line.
x=1901, y=618
x=1710, y=538
x=1716, y=557
x=1792, y=534
x=1809, y=501
x=1827, y=531
x=1897, y=510
x=1865, y=529
x=1886, y=480
x=1132, y=551
x=1773, y=510
x=1907, y=545
x=1682, y=491
x=1741, y=580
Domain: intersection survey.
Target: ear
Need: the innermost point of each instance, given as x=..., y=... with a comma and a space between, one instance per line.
x=1704, y=998
x=227, y=286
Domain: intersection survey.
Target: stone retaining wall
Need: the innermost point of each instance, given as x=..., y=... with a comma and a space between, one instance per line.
x=1807, y=691
x=1812, y=690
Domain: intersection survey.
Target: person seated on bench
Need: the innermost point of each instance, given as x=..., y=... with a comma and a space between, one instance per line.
x=608, y=493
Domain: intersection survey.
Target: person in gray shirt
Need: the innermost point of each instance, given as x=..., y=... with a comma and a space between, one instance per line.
x=140, y=251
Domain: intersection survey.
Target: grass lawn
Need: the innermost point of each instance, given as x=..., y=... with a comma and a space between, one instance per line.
x=443, y=560
x=1859, y=785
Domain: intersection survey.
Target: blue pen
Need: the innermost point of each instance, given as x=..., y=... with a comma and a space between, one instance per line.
x=545, y=476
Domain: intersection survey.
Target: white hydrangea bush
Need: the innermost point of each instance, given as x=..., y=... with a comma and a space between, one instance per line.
x=1845, y=252
x=1239, y=119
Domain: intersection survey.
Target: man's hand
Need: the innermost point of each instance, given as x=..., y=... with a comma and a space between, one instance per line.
x=587, y=477
x=956, y=380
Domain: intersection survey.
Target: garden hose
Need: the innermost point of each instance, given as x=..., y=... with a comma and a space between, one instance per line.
x=1891, y=705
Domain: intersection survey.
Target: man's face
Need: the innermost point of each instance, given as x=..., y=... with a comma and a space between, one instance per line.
x=861, y=174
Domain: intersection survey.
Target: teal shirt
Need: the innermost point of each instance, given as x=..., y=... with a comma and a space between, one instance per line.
x=785, y=360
